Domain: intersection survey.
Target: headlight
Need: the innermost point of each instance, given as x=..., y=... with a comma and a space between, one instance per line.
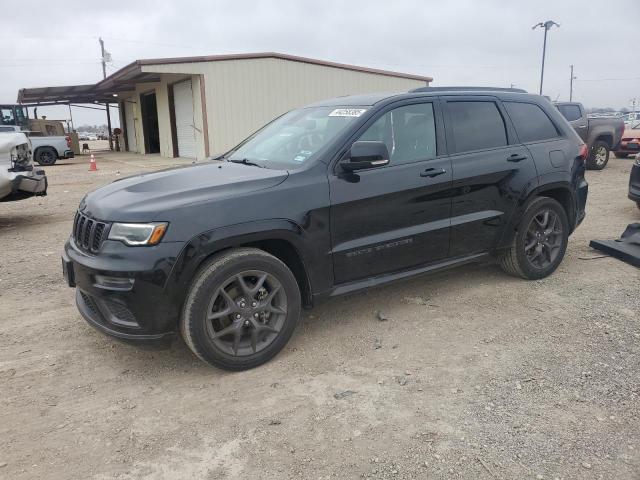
x=135, y=234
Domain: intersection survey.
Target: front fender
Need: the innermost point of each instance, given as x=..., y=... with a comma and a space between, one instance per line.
x=202, y=246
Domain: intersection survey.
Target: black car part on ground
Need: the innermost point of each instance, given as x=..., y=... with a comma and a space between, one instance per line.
x=626, y=248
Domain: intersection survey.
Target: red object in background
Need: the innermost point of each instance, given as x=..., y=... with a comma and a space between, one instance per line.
x=584, y=152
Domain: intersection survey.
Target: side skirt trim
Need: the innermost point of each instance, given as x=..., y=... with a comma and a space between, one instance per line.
x=392, y=277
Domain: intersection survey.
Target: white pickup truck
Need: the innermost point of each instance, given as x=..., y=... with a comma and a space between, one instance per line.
x=46, y=150
x=18, y=179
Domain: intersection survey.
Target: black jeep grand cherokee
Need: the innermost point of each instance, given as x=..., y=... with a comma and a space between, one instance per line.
x=336, y=197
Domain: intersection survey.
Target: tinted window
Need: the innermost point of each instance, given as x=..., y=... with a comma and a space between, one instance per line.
x=530, y=121
x=477, y=125
x=570, y=112
x=408, y=131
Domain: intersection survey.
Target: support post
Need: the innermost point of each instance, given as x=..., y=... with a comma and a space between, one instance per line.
x=104, y=75
x=544, y=51
x=571, y=85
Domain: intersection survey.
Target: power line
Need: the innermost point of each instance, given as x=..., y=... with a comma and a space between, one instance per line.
x=607, y=79
x=54, y=64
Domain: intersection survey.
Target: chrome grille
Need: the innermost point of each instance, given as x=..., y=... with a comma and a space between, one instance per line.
x=88, y=233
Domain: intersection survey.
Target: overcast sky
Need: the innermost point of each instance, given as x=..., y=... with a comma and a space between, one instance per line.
x=458, y=42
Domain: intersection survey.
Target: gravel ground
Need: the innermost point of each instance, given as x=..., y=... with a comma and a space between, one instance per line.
x=473, y=374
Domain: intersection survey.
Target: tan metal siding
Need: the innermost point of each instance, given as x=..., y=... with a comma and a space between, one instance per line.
x=243, y=95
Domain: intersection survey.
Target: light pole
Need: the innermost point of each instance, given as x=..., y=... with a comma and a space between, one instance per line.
x=546, y=25
x=571, y=84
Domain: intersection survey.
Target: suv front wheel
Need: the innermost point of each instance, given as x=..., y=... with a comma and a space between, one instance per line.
x=241, y=309
x=540, y=241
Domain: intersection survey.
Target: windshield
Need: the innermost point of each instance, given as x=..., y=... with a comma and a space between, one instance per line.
x=293, y=139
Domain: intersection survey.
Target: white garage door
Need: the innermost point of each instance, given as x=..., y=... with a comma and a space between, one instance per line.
x=186, y=133
x=129, y=119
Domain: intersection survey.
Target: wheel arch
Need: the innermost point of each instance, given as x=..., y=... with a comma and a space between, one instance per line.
x=564, y=196
x=281, y=238
x=604, y=137
x=559, y=191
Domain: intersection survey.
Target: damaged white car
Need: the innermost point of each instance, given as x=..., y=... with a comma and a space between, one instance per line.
x=18, y=179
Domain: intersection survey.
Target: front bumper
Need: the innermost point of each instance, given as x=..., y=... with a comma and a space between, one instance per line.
x=634, y=183
x=121, y=291
x=19, y=185
x=629, y=148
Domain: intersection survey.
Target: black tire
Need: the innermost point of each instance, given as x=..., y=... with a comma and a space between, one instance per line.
x=46, y=156
x=207, y=342
x=598, y=156
x=638, y=204
x=516, y=261
x=621, y=155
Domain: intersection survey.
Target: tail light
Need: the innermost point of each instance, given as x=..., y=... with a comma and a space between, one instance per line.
x=68, y=139
x=584, y=152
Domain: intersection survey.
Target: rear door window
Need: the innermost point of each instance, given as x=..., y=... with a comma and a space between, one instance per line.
x=531, y=122
x=570, y=112
x=476, y=125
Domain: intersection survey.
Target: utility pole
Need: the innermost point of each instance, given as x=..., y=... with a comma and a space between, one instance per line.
x=104, y=75
x=571, y=84
x=547, y=26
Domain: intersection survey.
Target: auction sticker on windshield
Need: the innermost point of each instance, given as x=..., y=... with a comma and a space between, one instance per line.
x=347, y=112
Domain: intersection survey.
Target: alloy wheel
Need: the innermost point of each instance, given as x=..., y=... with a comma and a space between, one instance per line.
x=246, y=313
x=543, y=240
x=600, y=155
x=46, y=157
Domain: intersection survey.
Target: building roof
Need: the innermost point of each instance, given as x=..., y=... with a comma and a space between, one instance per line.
x=126, y=77
x=253, y=56
x=62, y=94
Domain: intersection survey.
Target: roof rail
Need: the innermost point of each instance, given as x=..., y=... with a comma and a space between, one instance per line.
x=467, y=89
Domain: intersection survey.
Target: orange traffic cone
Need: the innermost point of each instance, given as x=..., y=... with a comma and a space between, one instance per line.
x=92, y=165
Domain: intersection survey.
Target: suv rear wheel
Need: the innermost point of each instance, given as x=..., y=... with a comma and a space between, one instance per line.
x=540, y=242
x=241, y=309
x=598, y=156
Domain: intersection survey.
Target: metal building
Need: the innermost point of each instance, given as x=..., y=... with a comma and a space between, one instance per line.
x=195, y=107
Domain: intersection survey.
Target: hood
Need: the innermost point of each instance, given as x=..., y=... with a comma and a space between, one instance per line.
x=8, y=140
x=152, y=196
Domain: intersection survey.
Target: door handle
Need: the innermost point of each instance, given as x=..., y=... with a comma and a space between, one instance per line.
x=516, y=157
x=433, y=172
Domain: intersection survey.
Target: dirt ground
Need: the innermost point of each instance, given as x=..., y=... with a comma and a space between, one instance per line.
x=474, y=375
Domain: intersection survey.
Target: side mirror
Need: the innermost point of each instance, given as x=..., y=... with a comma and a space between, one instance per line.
x=366, y=155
